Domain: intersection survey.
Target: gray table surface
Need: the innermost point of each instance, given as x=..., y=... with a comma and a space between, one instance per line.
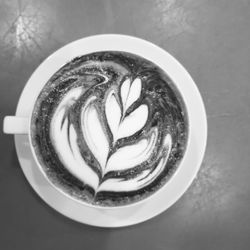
x=211, y=38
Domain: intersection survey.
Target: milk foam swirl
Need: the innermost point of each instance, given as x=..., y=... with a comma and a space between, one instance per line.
x=109, y=128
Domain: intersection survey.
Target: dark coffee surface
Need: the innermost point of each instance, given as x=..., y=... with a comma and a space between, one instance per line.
x=95, y=86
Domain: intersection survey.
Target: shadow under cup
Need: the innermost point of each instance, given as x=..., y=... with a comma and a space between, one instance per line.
x=109, y=128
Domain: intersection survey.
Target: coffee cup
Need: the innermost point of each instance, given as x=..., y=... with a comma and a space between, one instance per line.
x=115, y=175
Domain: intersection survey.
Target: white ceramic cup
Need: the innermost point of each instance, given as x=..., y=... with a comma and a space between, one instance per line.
x=161, y=199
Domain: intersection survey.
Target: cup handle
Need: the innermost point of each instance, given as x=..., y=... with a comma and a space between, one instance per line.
x=15, y=125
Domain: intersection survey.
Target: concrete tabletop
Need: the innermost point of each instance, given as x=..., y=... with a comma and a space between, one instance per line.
x=212, y=40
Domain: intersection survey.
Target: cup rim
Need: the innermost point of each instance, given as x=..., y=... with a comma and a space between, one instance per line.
x=147, y=50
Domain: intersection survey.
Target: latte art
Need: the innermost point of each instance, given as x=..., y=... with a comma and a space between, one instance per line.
x=104, y=146
x=109, y=128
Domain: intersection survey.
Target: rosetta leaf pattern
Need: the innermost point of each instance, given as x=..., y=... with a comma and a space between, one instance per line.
x=122, y=119
x=132, y=155
x=120, y=124
x=130, y=92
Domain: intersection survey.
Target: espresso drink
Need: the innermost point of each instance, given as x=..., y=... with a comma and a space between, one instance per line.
x=109, y=128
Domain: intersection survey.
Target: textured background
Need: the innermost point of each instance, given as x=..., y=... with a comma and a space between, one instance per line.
x=211, y=38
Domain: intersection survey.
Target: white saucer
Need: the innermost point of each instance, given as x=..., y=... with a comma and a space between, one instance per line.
x=162, y=199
